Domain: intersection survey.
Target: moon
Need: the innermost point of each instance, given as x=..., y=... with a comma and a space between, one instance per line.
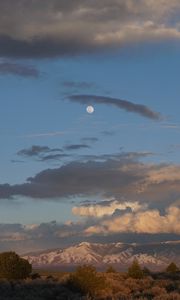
x=90, y=109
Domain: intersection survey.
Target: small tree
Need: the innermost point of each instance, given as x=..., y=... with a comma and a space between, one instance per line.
x=85, y=280
x=12, y=266
x=146, y=271
x=135, y=270
x=110, y=269
x=172, y=268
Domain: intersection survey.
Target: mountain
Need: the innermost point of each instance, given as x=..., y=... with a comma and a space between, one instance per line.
x=121, y=255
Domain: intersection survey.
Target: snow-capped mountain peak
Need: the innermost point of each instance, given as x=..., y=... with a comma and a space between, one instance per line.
x=119, y=254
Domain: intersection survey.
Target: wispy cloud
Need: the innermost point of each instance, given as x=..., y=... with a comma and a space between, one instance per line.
x=108, y=132
x=170, y=126
x=42, y=153
x=35, y=150
x=90, y=139
x=73, y=147
x=78, y=84
x=119, y=103
x=45, y=134
x=52, y=157
x=11, y=68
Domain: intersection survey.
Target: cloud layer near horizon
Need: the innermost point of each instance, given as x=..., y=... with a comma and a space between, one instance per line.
x=134, y=197
x=126, y=227
x=64, y=28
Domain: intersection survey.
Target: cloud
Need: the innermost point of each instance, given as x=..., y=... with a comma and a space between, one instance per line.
x=108, y=132
x=42, y=153
x=78, y=84
x=134, y=226
x=11, y=232
x=107, y=208
x=10, y=68
x=122, y=104
x=76, y=147
x=149, y=221
x=90, y=139
x=124, y=178
x=45, y=134
x=124, y=156
x=92, y=177
x=34, y=151
x=76, y=27
x=54, y=157
x=32, y=237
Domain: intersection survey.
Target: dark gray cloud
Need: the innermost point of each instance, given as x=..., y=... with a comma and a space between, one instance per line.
x=44, y=47
x=108, y=176
x=120, y=176
x=122, y=104
x=41, y=29
x=54, y=157
x=11, y=68
x=78, y=178
x=34, y=151
x=42, y=153
x=76, y=147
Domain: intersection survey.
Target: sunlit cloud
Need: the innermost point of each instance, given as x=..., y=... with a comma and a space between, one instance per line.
x=149, y=221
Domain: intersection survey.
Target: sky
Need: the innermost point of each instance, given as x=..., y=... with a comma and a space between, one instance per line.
x=68, y=176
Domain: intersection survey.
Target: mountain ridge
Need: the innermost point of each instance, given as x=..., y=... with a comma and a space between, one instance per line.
x=152, y=255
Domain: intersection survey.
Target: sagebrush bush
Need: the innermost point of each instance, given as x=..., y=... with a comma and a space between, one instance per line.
x=86, y=280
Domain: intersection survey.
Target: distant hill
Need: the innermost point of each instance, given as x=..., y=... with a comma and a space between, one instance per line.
x=155, y=256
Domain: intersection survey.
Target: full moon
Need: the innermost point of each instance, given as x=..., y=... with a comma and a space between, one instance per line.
x=90, y=109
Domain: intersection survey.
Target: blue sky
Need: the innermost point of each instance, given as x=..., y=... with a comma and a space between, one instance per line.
x=49, y=137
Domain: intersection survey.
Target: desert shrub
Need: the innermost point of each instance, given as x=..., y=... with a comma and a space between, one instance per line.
x=85, y=280
x=146, y=283
x=174, y=296
x=172, y=286
x=51, y=278
x=14, y=267
x=35, y=276
x=117, y=286
x=157, y=291
x=172, y=268
x=132, y=284
x=135, y=270
x=162, y=283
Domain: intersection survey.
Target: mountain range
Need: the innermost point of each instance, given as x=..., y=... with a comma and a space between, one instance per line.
x=120, y=255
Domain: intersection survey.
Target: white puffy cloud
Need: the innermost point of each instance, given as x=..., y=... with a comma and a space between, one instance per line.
x=150, y=222
x=107, y=208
